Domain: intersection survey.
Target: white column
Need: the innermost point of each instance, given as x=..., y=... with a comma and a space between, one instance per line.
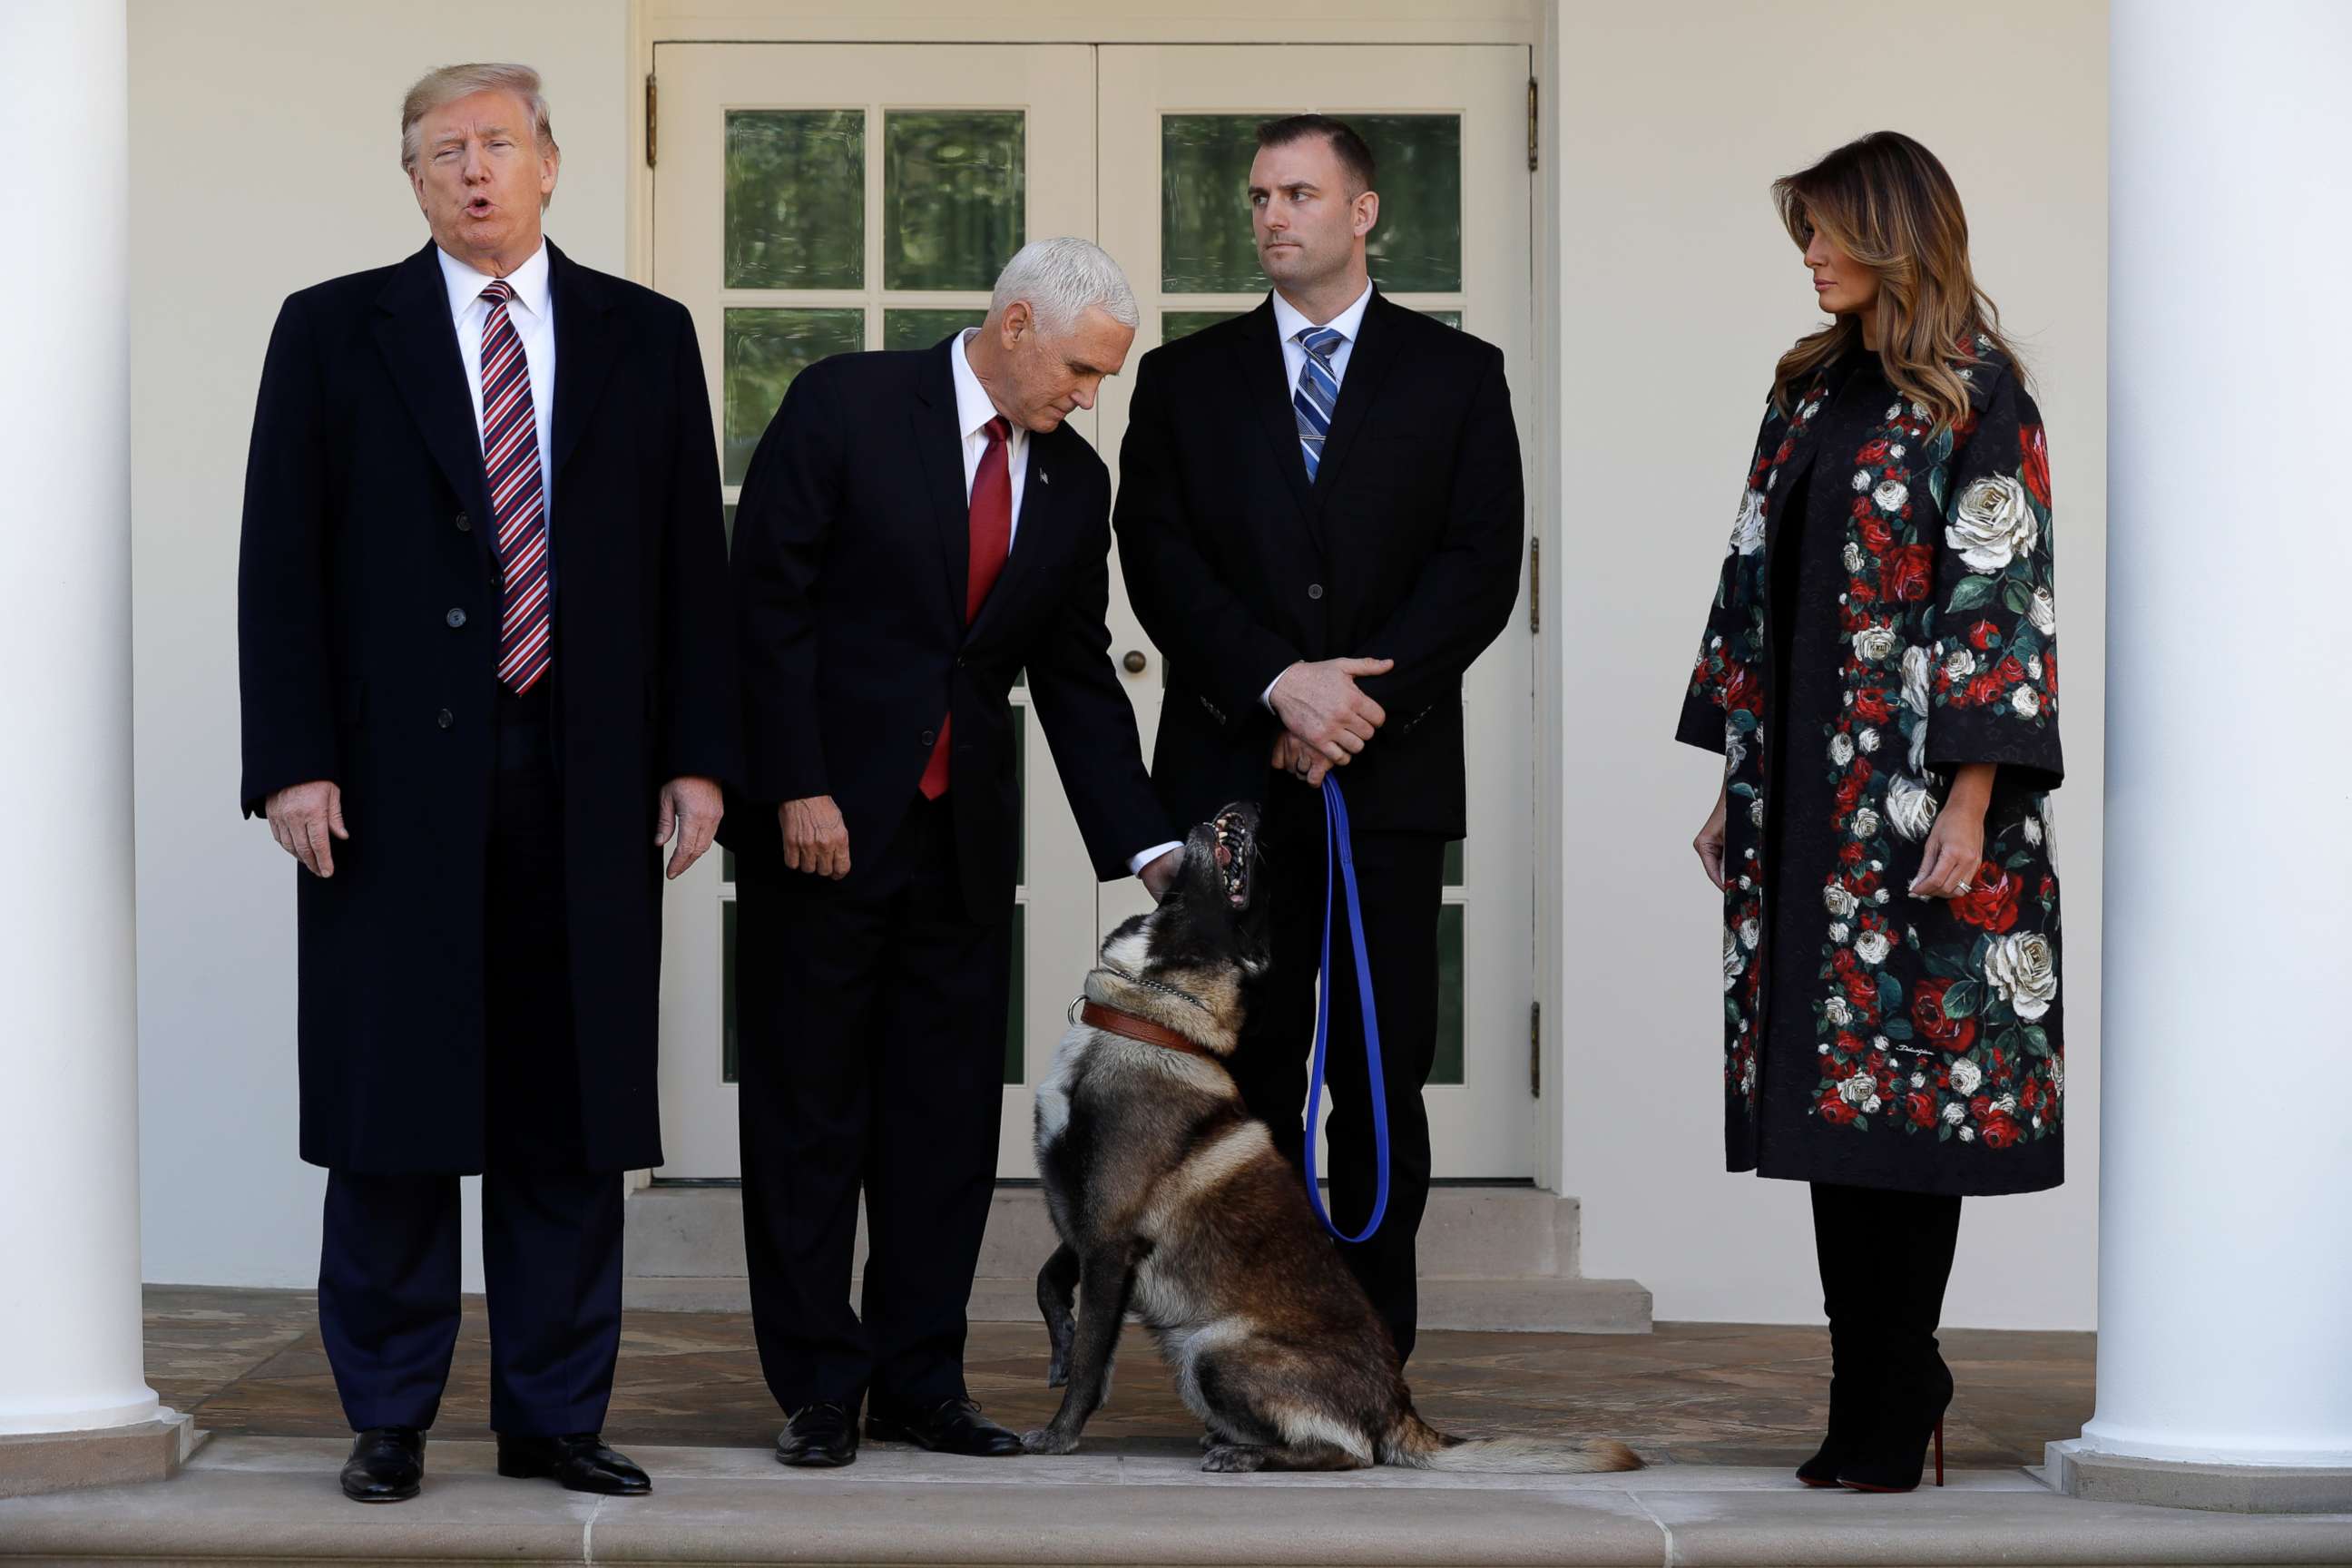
x=2225, y=1199
x=69, y=1316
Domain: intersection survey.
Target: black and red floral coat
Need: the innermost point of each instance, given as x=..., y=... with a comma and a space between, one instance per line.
x=1935, y=1026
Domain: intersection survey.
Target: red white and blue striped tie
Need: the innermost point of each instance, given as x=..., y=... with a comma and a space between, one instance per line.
x=518, y=498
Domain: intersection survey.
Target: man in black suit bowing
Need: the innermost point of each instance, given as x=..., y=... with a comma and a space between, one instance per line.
x=1320, y=523
x=916, y=530
x=483, y=676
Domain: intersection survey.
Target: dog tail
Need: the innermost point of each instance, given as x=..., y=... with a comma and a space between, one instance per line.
x=1416, y=1445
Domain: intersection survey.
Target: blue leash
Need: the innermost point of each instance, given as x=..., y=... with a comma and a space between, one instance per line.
x=1335, y=832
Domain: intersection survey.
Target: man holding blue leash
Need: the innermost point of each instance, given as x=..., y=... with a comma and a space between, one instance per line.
x=1320, y=521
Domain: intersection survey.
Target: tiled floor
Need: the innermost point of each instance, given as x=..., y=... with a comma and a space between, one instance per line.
x=250, y=1363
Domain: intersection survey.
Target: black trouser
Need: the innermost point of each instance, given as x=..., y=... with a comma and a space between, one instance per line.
x=1886, y=1258
x=1401, y=879
x=873, y=1038
x=389, y=1263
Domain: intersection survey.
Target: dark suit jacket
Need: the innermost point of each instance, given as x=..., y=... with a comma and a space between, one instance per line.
x=367, y=636
x=1405, y=546
x=853, y=540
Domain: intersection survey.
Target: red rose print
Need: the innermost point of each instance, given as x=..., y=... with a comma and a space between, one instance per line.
x=1922, y=1106
x=1990, y=901
x=1836, y=1110
x=1872, y=452
x=2011, y=672
x=1871, y=703
x=1742, y=690
x=1983, y=636
x=1787, y=449
x=1983, y=689
x=1876, y=536
x=1909, y=572
x=2034, y=450
x=1852, y=854
x=1862, y=990
x=1954, y=1035
x=2000, y=1133
x=1964, y=426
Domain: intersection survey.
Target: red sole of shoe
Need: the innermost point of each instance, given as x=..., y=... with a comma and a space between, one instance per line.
x=1819, y=1486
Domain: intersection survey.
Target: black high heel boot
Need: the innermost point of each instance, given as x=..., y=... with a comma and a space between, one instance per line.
x=1917, y=1233
x=1838, y=1248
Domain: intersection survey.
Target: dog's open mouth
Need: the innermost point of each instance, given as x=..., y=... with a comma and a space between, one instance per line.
x=1233, y=856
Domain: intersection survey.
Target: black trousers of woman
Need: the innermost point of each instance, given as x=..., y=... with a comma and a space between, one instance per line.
x=1886, y=1258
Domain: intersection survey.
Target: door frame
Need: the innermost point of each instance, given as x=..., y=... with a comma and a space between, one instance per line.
x=1532, y=23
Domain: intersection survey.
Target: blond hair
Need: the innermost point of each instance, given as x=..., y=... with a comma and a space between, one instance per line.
x=448, y=84
x=1886, y=202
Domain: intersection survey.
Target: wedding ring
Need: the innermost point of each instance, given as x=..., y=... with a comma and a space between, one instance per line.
x=1960, y=886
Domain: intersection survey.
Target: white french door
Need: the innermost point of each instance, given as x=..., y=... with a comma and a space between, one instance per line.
x=814, y=199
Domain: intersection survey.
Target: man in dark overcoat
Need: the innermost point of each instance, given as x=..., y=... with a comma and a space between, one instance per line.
x=485, y=672
x=1320, y=521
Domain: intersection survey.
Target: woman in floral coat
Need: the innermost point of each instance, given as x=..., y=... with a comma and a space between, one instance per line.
x=1880, y=672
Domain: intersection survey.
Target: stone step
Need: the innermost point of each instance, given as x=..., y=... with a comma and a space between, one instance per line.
x=1497, y=1257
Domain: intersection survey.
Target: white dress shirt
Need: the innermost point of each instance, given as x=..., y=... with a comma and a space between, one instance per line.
x=1288, y=322
x=532, y=312
x=973, y=411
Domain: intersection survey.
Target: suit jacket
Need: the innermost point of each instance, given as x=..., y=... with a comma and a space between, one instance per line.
x=367, y=638
x=1406, y=545
x=852, y=549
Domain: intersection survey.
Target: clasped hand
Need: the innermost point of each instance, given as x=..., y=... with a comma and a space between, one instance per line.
x=1327, y=719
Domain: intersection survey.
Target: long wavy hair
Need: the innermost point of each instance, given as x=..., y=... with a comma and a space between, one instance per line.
x=1887, y=201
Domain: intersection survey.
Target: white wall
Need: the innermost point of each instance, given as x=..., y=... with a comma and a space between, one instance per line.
x=264, y=157
x=1677, y=291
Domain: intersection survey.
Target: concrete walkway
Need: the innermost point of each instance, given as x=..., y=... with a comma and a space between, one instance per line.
x=1133, y=1501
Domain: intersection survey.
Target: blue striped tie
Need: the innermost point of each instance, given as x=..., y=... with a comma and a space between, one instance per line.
x=1318, y=393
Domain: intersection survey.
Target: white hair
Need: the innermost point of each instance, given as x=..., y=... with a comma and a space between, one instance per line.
x=448, y=84
x=1060, y=279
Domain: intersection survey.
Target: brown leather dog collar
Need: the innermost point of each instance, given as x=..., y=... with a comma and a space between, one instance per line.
x=1110, y=1020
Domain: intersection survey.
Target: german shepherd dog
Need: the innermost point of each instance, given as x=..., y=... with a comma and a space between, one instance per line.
x=1172, y=1202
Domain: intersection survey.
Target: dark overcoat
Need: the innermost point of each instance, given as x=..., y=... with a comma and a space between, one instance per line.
x=367, y=632
x=1936, y=1026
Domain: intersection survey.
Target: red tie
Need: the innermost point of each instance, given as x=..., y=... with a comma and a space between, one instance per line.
x=518, y=498
x=992, y=540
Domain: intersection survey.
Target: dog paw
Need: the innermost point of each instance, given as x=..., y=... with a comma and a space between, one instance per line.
x=1232, y=1459
x=1046, y=1440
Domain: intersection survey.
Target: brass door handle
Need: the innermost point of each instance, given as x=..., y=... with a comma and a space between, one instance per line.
x=1135, y=661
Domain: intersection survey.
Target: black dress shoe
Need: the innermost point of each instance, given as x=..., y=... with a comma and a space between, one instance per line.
x=820, y=1436
x=387, y=1465
x=579, y=1463
x=950, y=1427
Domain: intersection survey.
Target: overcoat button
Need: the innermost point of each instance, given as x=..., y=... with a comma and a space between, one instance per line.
x=456, y=617
x=446, y=718
x=1314, y=590
x=930, y=738
x=465, y=524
